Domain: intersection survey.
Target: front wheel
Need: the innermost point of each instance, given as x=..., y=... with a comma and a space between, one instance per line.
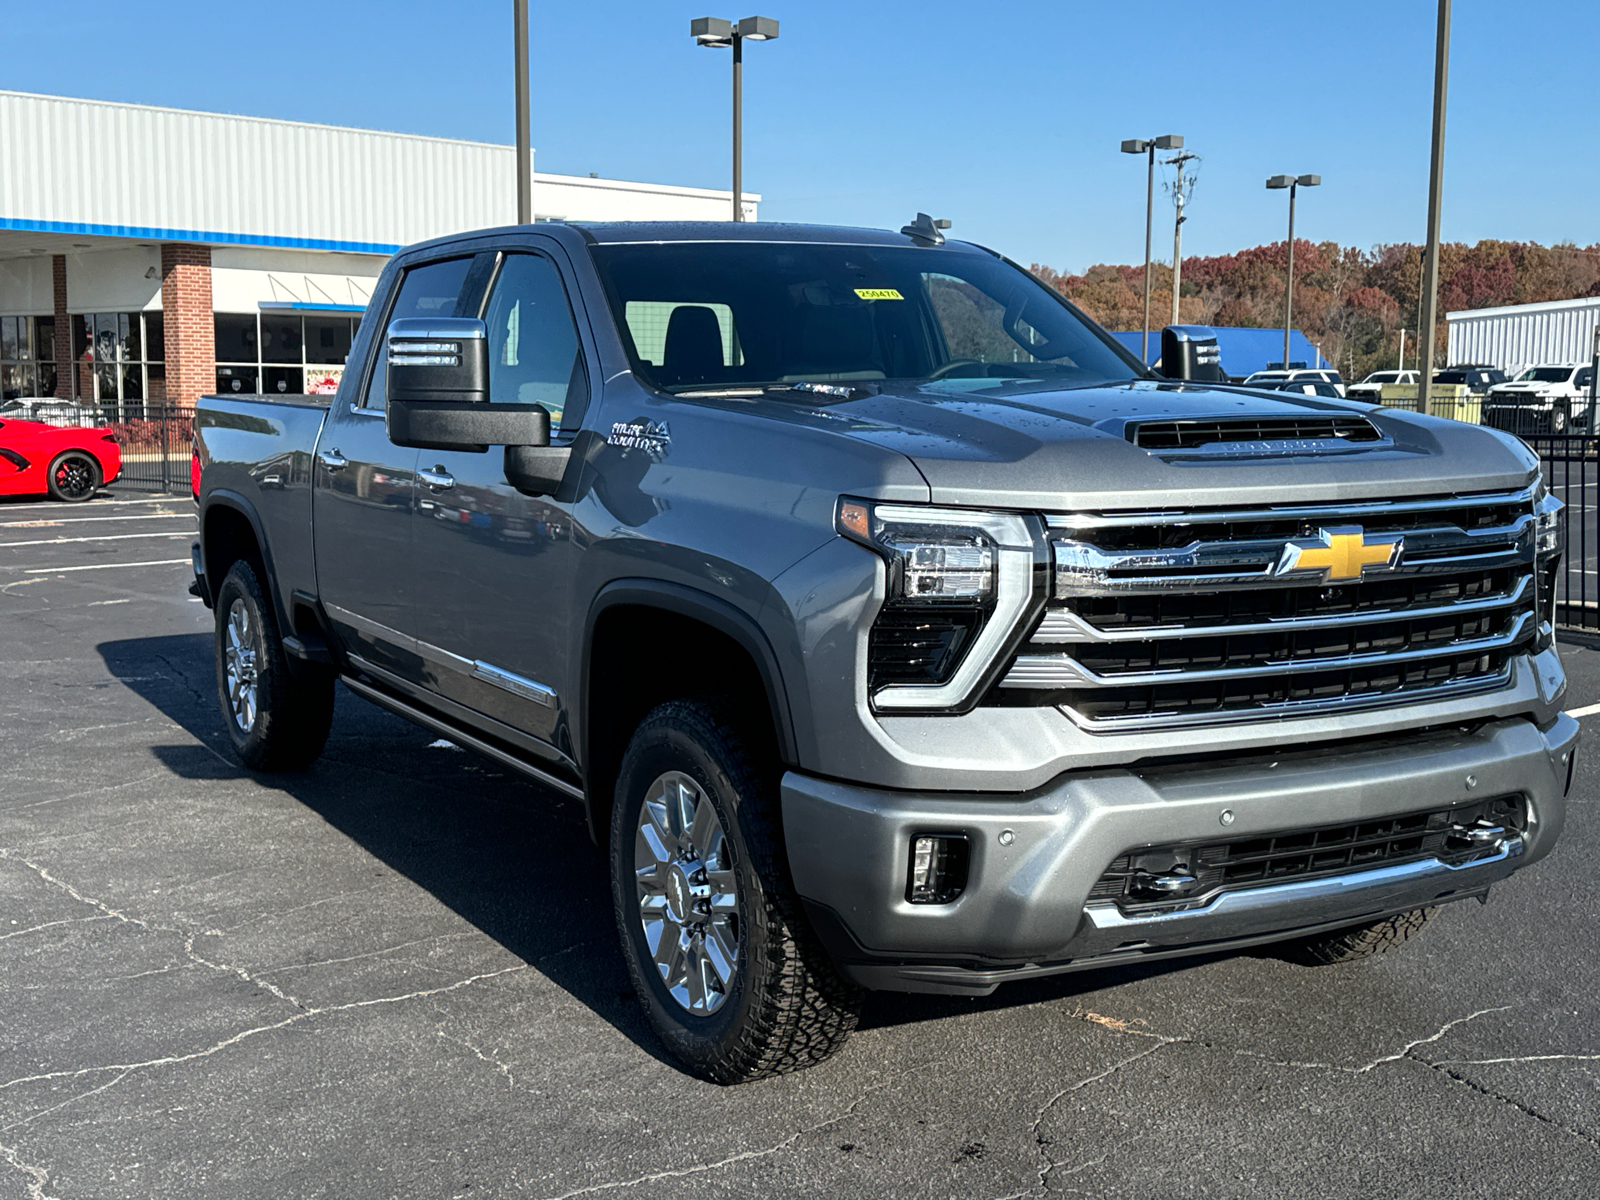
x=277, y=720
x=719, y=952
x=74, y=476
x=1558, y=418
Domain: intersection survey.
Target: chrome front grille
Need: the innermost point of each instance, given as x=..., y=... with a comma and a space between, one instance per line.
x=1205, y=617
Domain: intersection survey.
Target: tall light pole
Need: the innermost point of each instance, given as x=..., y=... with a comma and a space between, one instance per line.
x=1293, y=183
x=714, y=31
x=1430, y=261
x=519, y=24
x=1148, y=147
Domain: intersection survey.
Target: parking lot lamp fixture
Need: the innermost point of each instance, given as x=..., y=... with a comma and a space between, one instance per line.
x=1292, y=182
x=714, y=31
x=1148, y=147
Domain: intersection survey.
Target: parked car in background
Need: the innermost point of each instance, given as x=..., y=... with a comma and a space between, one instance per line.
x=68, y=464
x=1551, y=398
x=1304, y=387
x=1309, y=374
x=50, y=411
x=1369, y=387
x=1475, y=378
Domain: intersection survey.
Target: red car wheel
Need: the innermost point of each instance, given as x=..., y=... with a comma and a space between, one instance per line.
x=74, y=476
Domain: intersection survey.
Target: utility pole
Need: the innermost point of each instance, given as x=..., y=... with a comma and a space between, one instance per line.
x=519, y=23
x=1180, y=197
x=1430, y=262
x=1402, y=364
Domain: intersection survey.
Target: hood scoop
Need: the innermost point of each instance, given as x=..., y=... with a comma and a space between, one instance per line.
x=1257, y=437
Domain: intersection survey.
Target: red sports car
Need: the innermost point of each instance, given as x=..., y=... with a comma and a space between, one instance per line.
x=68, y=463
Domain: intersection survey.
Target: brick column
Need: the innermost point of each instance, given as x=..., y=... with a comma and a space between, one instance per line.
x=191, y=343
x=62, y=350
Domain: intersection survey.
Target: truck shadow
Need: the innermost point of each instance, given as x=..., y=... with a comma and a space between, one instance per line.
x=509, y=857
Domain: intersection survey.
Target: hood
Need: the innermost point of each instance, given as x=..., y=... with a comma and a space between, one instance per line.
x=18, y=427
x=1029, y=445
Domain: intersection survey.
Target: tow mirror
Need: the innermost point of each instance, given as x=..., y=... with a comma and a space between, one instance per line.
x=437, y=391
x=1191, y=352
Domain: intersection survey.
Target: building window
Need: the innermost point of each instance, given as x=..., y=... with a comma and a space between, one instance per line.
x=27, y=357
x=120, y=359
x=280, y=353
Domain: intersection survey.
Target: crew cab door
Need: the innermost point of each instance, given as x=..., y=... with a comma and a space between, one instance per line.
x=491, y=566
x=365, y=492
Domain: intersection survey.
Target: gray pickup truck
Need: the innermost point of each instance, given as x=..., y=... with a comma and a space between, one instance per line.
x=896, y=627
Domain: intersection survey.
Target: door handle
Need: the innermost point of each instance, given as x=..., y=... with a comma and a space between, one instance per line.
x=438, y=479
x=333, y=460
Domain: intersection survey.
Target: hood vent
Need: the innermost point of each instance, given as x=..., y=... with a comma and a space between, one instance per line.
x=1226, y=432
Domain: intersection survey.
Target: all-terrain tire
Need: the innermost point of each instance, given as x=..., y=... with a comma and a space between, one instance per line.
x=1358, y=941
x=285, y=723
x=785, y=1007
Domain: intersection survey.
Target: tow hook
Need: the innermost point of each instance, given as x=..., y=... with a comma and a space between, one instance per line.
x=1482, y=835
x=1168, y=885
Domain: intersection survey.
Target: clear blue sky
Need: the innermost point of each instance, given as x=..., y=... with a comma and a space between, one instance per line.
x=1005, y=118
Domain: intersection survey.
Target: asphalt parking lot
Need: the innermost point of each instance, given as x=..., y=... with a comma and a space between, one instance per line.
x=395, y=976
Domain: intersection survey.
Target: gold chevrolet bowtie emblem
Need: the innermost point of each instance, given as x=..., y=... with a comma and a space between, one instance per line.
x=1344, y=552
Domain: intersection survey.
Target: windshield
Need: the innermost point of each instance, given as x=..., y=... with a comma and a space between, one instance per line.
x=1545, y=375
x=702, y=316
x=1382, y=377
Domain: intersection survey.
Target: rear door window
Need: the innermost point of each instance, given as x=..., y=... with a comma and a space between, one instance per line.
x=428, y=290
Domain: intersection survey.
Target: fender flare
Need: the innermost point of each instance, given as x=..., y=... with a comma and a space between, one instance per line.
x=227, y=498
x=704, y=607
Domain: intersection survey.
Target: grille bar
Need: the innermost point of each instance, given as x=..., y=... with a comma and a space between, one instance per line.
x=1064, y=625
x=1290, y=512
x=1051, y=671
x=1288, y=710
x=1085, y=569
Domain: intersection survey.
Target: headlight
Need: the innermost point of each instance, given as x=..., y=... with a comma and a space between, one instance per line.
x=957, y=585
x=1550, y=543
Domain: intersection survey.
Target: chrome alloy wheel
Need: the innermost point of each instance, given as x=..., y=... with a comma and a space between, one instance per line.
x=241, y=655
x=688, y=899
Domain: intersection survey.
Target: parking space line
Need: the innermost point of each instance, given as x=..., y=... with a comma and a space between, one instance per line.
x=106, y=537
x=164, y=562
x=50, y=522
x=1588, y=710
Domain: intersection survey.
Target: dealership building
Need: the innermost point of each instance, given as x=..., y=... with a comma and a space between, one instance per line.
x=151, y=254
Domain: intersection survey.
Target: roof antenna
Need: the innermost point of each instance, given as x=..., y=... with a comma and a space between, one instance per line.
x=926, y=230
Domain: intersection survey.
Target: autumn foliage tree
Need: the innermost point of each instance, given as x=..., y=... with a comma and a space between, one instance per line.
x=1351, y=303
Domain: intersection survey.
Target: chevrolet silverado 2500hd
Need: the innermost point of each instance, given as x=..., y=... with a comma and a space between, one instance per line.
x=897, y=629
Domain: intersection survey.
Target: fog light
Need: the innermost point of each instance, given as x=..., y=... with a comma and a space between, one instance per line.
x=938, y=868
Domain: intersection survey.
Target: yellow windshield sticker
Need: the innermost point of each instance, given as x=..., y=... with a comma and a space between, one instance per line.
x=879, y=294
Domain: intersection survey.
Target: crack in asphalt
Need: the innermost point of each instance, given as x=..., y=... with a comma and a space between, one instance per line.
x=1527, y=1110
x=39, y=1178
x=730, y=1160
x=253, y=1031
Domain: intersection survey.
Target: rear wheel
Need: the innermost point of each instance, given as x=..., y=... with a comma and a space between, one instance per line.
x=277, y=719
x=74, y=476
x=1358, y=941
x=1558, y=417
x=719, y=952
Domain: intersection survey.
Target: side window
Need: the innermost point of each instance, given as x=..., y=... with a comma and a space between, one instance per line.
x=534, y=354
x=427, y=291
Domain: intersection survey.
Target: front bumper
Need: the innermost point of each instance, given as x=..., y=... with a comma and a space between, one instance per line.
x=1025, y=909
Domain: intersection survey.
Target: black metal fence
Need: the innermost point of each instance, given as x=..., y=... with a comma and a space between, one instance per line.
x=1570, y=463
x=157, y=442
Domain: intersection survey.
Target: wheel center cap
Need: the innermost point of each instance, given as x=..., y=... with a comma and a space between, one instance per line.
x=678, y=893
